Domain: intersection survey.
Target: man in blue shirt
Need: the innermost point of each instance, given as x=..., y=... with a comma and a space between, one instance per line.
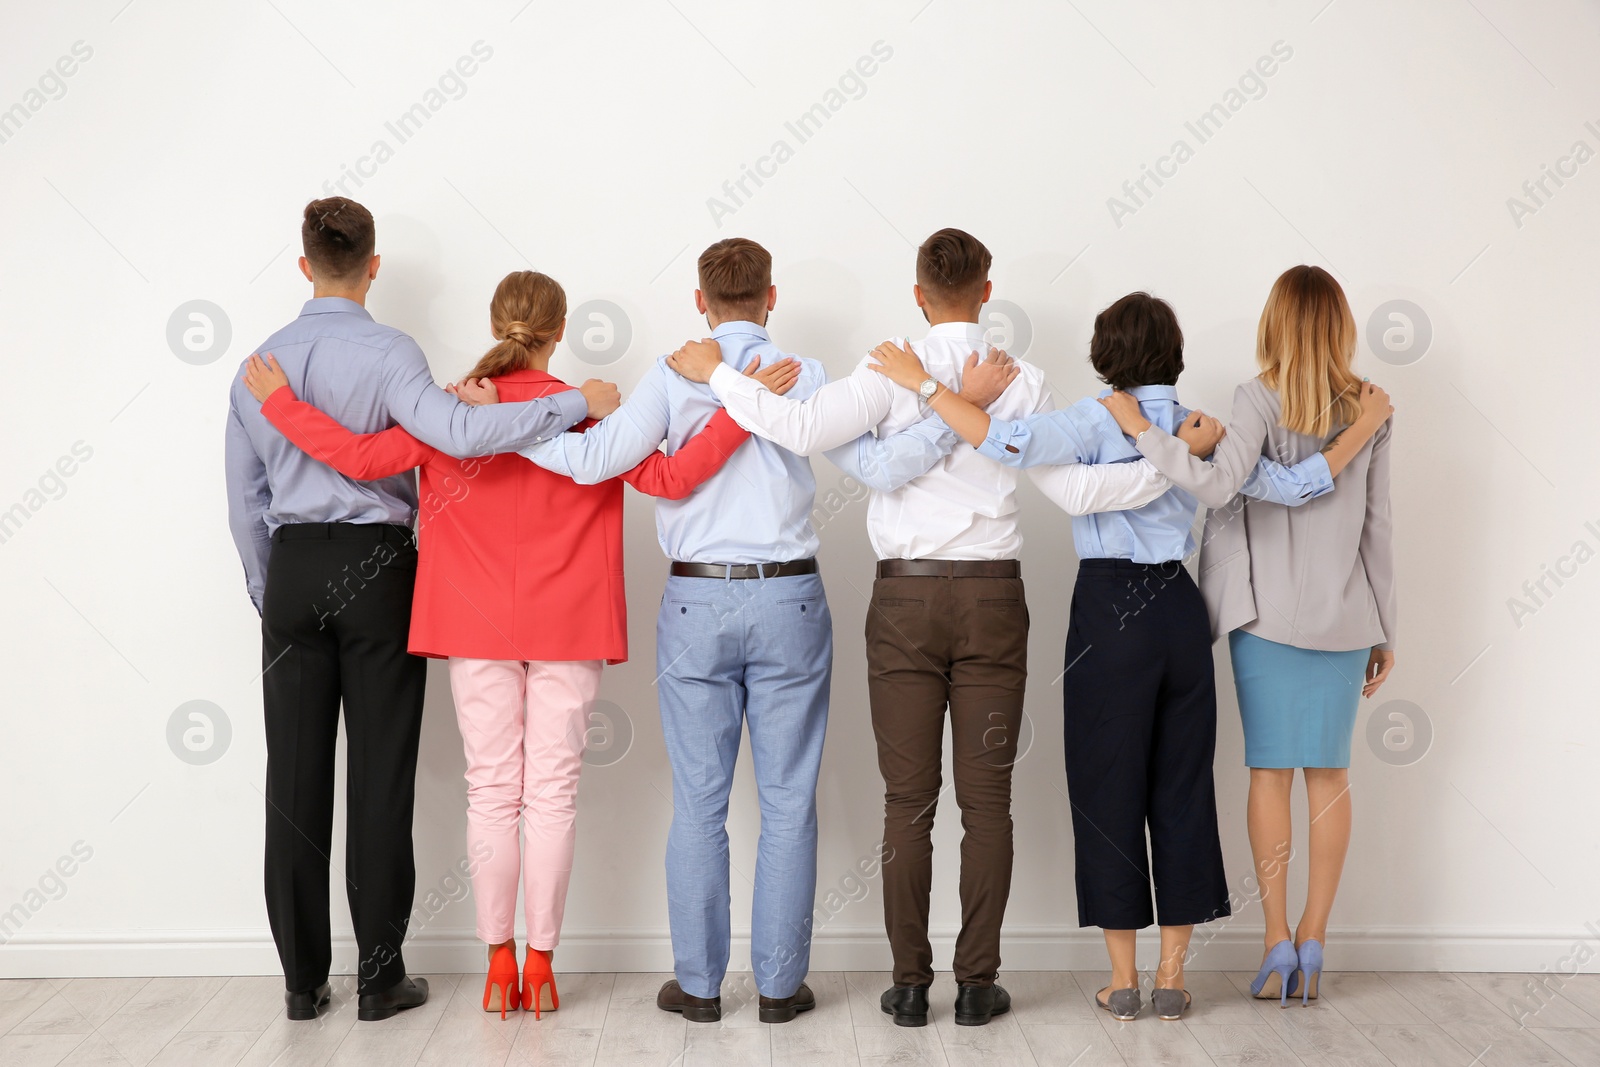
x=744, y=636
x=329, y=564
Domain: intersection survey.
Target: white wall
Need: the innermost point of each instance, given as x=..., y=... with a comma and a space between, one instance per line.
x=173, y=168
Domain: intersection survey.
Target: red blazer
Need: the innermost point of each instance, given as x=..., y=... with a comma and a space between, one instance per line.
x=514, y=562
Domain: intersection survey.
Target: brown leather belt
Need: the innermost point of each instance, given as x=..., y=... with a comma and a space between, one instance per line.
x=743, y=571
x=949, y=568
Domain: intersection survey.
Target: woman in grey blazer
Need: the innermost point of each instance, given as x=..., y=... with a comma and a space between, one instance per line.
x=1306, y=595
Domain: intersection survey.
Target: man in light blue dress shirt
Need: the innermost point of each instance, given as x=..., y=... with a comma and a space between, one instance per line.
x=744, y=636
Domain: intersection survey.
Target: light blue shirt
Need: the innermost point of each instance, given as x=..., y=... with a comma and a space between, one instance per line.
x=1163, y=529
x=757, y=508
x=369, y=377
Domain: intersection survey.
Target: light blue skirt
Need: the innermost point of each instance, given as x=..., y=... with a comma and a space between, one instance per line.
x=1298, y=704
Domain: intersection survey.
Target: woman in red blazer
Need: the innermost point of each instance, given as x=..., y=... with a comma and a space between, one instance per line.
x=519, y=585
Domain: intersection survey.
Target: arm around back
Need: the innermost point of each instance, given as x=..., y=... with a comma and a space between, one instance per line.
x=1048, y=437
x=361, y=456
x=887, y=463
x=837, y=413
x=462, y=430
x=1216, y=482
x=676, y=476
x=1087, y=488
x=1290, y=486
x=617, y=443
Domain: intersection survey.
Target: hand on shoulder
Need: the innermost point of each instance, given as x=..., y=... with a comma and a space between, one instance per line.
x=1125, y=409
x=696, y=360
x=1376, y=406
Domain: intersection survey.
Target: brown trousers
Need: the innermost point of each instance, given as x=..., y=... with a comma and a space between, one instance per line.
x=934, y=643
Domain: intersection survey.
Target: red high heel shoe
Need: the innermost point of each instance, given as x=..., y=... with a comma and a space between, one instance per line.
x=502, y=980
x=539, y=984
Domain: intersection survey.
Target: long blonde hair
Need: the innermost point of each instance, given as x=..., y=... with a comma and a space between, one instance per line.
x=1304, y=346
x=525, y=315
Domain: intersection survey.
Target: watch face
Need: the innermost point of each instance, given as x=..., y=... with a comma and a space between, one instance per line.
x=929, y=387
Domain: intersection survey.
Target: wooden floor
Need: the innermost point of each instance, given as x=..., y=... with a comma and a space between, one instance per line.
x=1403, y=1020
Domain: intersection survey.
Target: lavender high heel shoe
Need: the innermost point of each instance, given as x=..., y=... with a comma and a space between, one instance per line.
x=1310, y=972
x=1277, y=977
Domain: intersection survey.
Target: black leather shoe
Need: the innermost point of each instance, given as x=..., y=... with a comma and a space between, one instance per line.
x=407, y=993
x=782, y=1009
x=694, y=1009
x=301, y=1006
x=907, y=1003
x=976, y=1004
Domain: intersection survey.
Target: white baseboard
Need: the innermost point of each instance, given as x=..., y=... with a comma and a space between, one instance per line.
x=107, y=954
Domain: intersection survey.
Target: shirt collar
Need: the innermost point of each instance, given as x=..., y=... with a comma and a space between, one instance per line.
x=326, y=305
x=736, y=327
x=1144, y=393
x=528, y=374
x=967, y=331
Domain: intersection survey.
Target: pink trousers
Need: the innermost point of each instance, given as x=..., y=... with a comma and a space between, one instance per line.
x=523, y=726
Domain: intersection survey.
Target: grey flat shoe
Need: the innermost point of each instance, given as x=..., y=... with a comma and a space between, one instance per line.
x=1170, y=1003
x=1123, y=1004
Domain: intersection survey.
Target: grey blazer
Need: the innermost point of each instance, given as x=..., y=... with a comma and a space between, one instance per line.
x=1320, y=575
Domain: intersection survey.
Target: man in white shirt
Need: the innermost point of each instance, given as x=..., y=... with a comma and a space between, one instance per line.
x=949, y=623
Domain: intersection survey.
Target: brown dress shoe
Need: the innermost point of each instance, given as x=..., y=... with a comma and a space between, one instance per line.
x=782, y=1009
x=695, y=1009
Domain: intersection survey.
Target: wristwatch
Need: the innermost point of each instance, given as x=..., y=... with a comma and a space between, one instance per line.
x=928, y=388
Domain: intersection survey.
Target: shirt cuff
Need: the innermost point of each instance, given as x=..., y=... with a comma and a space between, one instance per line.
x=572, y=404
x=1321, y=476
x=1005, y=442
x=725, y=380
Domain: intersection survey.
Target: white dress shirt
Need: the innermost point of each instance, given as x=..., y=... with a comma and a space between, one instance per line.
x=965, y=506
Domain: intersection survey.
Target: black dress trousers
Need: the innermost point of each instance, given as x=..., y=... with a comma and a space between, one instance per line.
x=1141, y=733
x=334, y=627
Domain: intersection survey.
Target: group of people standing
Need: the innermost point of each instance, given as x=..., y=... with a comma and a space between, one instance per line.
x=515, y=576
